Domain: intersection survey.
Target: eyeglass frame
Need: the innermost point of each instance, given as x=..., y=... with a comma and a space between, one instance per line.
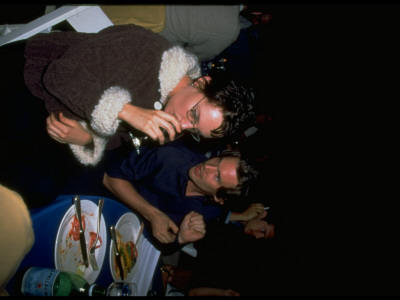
x=194, y=132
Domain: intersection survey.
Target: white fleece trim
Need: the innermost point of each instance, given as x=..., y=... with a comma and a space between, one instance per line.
x=105, y=114
x=176, y=62
x=93, y=155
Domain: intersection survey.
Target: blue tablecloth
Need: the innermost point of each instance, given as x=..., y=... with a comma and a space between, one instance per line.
x=46, y=221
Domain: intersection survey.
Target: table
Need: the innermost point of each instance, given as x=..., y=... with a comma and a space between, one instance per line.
x=46, y=221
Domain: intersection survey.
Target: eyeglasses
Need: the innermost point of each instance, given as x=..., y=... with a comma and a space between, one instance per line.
x=193, y=118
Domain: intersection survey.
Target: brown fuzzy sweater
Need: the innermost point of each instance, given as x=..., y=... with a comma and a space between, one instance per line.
x=90, y=76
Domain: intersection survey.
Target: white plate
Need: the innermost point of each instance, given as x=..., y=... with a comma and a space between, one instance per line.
x=67, y=250
x=128, y=226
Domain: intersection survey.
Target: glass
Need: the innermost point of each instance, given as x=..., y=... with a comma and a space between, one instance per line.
x=122, y=288
x=191, y=115
x=137, y=141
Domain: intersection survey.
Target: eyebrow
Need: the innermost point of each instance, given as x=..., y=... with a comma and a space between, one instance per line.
x=197, y=112
x=218, y=172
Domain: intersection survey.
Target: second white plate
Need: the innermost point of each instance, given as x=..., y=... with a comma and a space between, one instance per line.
x=128, y=226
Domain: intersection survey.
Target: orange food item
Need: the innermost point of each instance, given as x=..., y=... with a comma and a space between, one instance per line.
x=93, y=236
x=74, y=232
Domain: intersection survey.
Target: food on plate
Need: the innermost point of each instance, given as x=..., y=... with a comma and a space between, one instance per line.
x=93, y=236
x=74, y=232
x=128, y=252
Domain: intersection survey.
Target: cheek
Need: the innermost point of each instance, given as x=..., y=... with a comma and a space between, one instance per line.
x=209, y=187
x=174, y=107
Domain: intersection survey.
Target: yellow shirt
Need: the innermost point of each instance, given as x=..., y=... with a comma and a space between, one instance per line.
x=148, y=16
x=16, y=234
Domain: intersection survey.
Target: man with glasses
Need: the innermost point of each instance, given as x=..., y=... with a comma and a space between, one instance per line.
x=99, y=87
x=164, y=183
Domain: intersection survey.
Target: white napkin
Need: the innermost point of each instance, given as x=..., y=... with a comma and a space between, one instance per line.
x=146, y=265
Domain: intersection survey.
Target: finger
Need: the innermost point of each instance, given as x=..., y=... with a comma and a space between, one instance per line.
x=151, y=130
x=53, y=131
x=52, y=134
x=51, y=119
x=65, y=120
x=55, y=137
x=195, y=218
x=160, y=135
x=196, y=223
x=56, y=126
x=194, y=214
x=171, y=237
x=162, y=126
x=154, y=132
x=165, y=238
x=199, y=229
x=171, y=119
x=199, y=233
x=169, y=128
x=258, y=206
x=173, y=229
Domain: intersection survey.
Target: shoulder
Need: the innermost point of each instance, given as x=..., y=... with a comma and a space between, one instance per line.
x=176, y=62
x=178, y=154
x=130, y=35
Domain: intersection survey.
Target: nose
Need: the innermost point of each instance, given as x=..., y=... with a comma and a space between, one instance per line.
x=185, y=124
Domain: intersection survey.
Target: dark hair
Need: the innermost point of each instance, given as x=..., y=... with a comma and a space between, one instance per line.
x=236, y=100
x=246, y=175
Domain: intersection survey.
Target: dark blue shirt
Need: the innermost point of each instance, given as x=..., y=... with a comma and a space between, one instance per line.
x=160, y=175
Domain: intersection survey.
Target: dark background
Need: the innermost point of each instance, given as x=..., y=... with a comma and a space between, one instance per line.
x=326, y=75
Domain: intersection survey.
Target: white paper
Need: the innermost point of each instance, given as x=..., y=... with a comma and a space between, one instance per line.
x=146, y=265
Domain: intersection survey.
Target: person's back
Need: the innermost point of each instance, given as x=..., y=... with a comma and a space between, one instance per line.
x=151, y=17
x=205, y=30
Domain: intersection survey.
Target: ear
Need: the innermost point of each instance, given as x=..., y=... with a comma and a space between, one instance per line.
x=202, y=80
x=218, y=200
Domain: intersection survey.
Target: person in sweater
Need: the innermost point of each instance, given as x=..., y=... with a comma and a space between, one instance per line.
x=97, y=87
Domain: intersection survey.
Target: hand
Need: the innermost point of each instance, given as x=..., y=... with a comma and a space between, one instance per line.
x=67, y=131
x=253, y=211
x=149, y=121
x=163, y=228
x=192, y=228
x=260, y=228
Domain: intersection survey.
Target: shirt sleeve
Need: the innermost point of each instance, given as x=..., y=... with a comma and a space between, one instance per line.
x=136, y=166
x=228, y=216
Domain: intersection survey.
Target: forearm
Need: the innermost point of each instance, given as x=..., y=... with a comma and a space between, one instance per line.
x=128, y=195
x=251, y=212
x=236, y=216
x=126, y=111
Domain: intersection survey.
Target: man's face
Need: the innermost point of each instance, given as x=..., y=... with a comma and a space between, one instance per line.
x=215, y=173
x=190, y=107
x=259, y=228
